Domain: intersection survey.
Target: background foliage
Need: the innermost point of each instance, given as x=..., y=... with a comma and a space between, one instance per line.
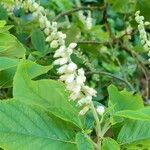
x=35, y=110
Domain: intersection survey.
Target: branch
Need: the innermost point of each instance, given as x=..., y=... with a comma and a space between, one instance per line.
x=142, y=66
x=75, y=10
x=92, y=42
x=112, y=76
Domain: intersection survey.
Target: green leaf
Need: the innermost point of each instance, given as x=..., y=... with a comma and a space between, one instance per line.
x=144, y=7
x=2, y=23
x=10, y=65
x=3, y=27
x=7, y=63
x=140, y=145
x=38, y=40
x=48, y=94
x=133, y=131
x=69, y=38
x=3, y=13
x=7, y=1
x=83, y=142
x=110, y=144
x=6, y=77
x=121, y=6
x=34, y=69
x=141, y=114
x=27, y=128
x=122, y=100
x=98, y=32
x=10, y=46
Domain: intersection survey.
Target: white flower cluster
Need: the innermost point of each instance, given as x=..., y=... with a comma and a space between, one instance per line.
x=141, y=27
x=73, y=77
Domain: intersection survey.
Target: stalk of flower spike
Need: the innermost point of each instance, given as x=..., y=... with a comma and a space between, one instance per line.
x=143, y=36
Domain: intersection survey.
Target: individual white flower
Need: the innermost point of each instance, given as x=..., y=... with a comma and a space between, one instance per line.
x=100, y=110
x=81, y=72
x=72, y=45
x=48, y=39
x=68, y=78
x=35, y=5
x=54, y=35
x=69, y=51
x=54, y=44
x=60, y=52
x=62, y=69
x=147, y=23
x=74, y=87
x=61, y=35
x=71, y=67
x=47, y=24
x=74, y=95
x=47, y=31
x=61, y=61
x=89, y=91
x=85, y=100
x=81, y=77
x=80, y=80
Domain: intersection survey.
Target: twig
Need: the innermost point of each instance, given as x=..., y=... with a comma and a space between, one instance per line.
x=106, y=22
x=112, y=76
x=75, y=10
x=92, y=42
x=142, y=66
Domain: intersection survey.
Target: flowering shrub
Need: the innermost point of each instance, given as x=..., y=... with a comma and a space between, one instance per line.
x=62, y=63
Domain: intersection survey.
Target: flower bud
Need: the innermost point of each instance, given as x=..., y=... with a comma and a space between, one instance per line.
x=61, y=61
x=70, y=78
x=48, y=39
x=85, y=100
x=46, y=31
x=147, y=23
x=54, y=44
x=100, y=110
x=72, y=45
x=62, y=69
x=71, y=67
x=35, y=5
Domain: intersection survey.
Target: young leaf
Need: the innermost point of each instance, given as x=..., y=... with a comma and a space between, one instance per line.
x=38, y=40
x=134, y=131
x=83, y=142
x=139, y=145
x=10, y=46
x=124, y=100
x=122, y=6
x=7, y=63
x=48, y=94
x=110, y=144
x=143, y=6
x=24, y=127
x=141, y=114
x=9, y=66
